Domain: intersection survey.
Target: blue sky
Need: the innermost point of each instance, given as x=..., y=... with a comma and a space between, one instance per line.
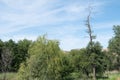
x=63, y=20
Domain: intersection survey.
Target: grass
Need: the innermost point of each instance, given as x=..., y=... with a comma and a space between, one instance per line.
x=9, y=76
x=114, y=76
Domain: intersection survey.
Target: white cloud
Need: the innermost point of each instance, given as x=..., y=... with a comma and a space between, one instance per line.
x=28, y=13
x=104, y=39
x=71, y=42
x=24, y=14
x=105, y=25
x=18, y=37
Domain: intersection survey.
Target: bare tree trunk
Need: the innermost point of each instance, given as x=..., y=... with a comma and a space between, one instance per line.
x=4, y=76
x=91, y=37
x=6, y=61
x=94, y=73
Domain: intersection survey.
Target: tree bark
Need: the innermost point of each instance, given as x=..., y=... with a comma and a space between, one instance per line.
x=91, y=37
x=94, y=73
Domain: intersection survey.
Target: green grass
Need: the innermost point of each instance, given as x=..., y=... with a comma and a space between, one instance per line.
x=9, y=76
x=114, y=76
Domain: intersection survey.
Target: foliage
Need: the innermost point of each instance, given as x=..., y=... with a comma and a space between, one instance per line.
x=97, y=58
x=114, y=46
x=67, y=67
x=1, y=46
x=80, y=63
x=20, y=53
x=44, y=62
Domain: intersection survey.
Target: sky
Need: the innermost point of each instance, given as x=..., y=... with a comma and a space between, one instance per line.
x=63, y=20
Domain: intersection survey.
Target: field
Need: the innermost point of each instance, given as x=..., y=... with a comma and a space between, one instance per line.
x=11, y=76
x=113, y=76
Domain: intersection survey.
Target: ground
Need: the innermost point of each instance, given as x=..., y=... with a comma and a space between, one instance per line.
x=112, y=76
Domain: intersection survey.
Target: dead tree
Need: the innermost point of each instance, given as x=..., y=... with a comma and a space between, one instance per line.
x=91, y=37
x=5, y=61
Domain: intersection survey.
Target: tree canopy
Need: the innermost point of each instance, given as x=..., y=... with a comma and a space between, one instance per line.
x=114, y=46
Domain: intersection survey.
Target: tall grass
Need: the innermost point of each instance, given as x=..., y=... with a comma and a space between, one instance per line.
x=12, y=76
x=113, y=76
x=9, y=76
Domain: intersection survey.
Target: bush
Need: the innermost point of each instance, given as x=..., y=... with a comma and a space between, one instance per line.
x=45, y=62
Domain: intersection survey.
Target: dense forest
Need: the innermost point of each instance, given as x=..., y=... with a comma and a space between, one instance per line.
x=43, y=59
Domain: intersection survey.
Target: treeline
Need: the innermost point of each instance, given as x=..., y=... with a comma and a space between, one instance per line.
x=12, y=54
x=44, y=60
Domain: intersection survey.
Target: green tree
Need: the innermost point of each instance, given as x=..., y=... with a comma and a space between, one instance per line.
x=10, y=46
x=91, y=37
x=20, y=53
x=1, y=46
x=114, y=46
x=45, y=61
x=97, y=58
x=67, y=67
x=94, y=49
x=80, y=63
